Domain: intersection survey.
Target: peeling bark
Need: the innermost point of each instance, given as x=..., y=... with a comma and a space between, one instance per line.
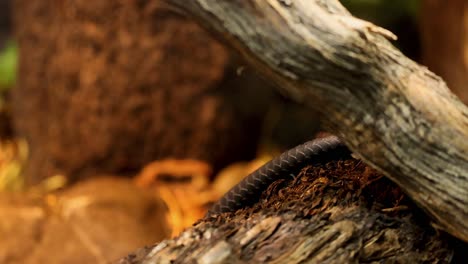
x=343, y=212
x=395, y=114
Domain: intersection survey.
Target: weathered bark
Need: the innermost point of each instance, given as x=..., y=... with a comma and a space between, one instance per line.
x=444, y=32
x=108, y=86
x=395, y=114
x=343, y=212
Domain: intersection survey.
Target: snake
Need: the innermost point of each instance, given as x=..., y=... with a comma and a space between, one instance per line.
x=288, y=164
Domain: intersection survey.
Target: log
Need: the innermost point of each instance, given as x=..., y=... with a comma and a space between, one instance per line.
x=343, y=212
x=396, y=115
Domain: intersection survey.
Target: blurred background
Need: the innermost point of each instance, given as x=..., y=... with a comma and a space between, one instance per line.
x=120, y=121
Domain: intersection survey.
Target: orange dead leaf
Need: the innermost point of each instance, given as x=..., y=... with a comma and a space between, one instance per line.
x=183, y=185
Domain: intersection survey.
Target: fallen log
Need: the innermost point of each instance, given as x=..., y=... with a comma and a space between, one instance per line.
x=396, y=115
x=342, y=212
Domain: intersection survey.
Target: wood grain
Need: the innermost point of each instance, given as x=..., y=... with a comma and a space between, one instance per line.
x=395, y=114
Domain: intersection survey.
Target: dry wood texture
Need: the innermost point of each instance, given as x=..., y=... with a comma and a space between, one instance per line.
x=397, y=115
x=343, y=212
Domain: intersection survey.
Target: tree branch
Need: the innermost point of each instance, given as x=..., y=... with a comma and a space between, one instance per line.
x=395, y=114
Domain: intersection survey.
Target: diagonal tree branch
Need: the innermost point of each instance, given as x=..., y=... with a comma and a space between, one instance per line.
x=398, y=116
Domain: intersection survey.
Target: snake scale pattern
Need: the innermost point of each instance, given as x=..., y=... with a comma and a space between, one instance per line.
x=289, y=163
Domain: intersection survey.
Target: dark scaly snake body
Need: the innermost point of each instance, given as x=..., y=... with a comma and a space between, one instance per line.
x=248, y=191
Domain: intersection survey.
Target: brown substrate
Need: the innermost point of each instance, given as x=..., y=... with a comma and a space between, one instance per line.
x=342, y=212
